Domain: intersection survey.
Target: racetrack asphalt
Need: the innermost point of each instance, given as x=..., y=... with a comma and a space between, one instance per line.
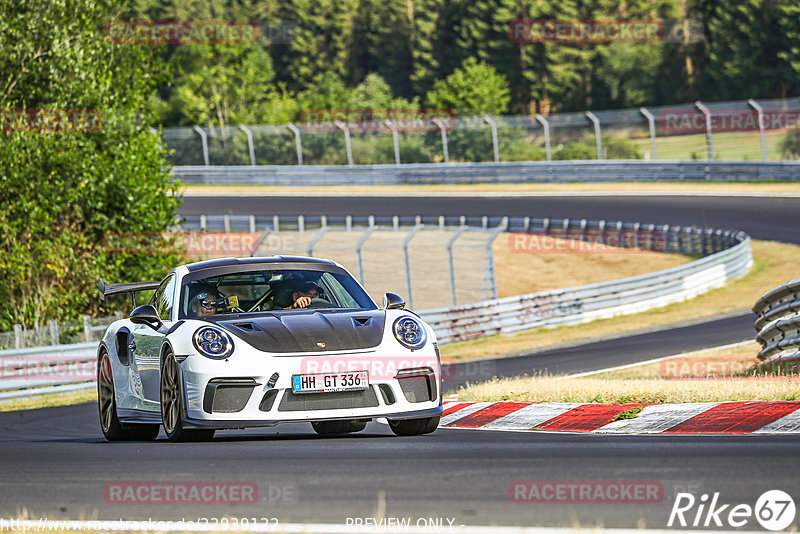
x=768, y=218
x=55, y=463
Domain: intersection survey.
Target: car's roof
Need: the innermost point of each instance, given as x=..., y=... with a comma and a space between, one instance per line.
x=227, y=262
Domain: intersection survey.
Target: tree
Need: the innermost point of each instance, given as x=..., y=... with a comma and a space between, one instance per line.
x=70, y=193
x=475, y=87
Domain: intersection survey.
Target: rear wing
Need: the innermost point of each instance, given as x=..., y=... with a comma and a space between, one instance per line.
x=131, y=287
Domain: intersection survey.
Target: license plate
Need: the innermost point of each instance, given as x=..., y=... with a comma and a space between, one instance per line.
x=328, y=382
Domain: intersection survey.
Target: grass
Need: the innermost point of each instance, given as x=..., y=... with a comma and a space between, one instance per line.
x=523, y=268
x=704, y=376
x=728, y=146
x=47, y=401
x=774, y=264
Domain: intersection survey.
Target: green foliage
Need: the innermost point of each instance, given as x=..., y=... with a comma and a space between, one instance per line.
x=475, y=87
x=67, y=196
x=613, y=148
x=790, y=146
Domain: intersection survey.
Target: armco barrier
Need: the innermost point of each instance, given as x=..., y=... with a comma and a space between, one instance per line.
x=778, y=322
x=58, y=368
x=594, y=301
x=27, y=372
x=503, y=172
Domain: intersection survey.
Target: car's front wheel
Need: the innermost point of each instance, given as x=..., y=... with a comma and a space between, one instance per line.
x=327, y=428
x=171, y=400
x=414, y=427
x=106, y=401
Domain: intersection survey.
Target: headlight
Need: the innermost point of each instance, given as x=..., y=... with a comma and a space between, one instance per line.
x=409, y=332
x=213, y=342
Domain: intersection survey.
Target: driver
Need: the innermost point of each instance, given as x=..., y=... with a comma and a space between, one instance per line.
x=204, y=303
x=302, y=297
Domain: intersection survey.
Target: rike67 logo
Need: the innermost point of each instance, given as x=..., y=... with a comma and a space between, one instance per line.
x=773, y=510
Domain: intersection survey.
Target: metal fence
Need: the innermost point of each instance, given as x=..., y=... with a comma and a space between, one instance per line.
x=778, y=323
x=461, y=173
x=84, y=330
x=601, y=300
x=736, y=130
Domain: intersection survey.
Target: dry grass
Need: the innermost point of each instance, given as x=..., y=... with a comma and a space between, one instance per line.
x=775, y=263
x=619, y=391
x=715, y=363
x=703, y=376
x=526, y=267
x=686, y=187
x=49, y=400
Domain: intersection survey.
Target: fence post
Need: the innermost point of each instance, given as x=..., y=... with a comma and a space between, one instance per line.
x=546, y=127
x=205, y=143
x=54, y=331
x=491, y=274
x=407, y=263
x=343, y=127
x=87, y=329
x=301, y=224
x=395, y=140
x=495, y=148
x=598, y=142
x=250, y=147
x=259, y=241
x=315, y=239
x=705, y=111
x=252, y=224
x=652, y=122
x=450, y=243
x=297, y=142
x=442, y=128
x=760, y=113
x=359, y=245
x=17, y=336
x=276, y=221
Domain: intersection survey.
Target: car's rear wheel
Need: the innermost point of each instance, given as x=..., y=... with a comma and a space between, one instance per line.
x=171, y=401
x=414, y=427
x=107, y=404
x=347, y=426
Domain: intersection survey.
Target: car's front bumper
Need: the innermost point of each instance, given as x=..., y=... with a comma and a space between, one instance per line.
x=253, y=389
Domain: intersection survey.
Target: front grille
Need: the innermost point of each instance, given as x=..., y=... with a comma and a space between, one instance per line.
x=341, y=400
x=230, y=399
x=416, y=388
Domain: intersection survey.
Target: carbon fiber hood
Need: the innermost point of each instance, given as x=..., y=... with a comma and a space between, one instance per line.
x=309, y=331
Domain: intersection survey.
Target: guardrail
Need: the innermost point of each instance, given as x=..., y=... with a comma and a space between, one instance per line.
x=28, y=372
x=503, y=172
x=597, y=301
x=41, y=370
x=778, y=322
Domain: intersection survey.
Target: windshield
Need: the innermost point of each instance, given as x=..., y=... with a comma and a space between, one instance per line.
x=271, y=290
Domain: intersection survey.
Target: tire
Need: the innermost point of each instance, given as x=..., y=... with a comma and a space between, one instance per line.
x=414, y=427
x=112, y=429
x=348, y=426
x=171, y=402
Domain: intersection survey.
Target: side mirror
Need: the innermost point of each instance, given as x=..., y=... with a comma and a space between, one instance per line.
x=148, y=315
x=393, y=301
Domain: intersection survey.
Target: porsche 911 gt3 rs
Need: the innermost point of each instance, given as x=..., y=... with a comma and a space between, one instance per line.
x=238, y=343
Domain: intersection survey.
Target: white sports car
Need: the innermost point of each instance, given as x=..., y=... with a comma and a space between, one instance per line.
x=237, y=343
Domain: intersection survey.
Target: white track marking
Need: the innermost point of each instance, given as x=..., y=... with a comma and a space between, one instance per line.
x=486, y=194
x=656, y=360
x=463, y=412
x=657, y=418
x=313, y=528
x=531, y=416
x=787, y=423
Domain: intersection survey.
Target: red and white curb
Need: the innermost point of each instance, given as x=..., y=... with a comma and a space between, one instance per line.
x=741, y=417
